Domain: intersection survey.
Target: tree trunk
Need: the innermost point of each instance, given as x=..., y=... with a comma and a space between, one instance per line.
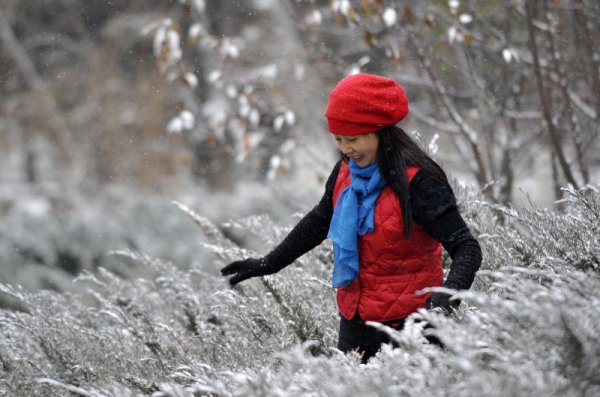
x=58, y=123
x=545, y=97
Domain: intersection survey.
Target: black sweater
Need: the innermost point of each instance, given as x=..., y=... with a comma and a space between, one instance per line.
x=433, y=207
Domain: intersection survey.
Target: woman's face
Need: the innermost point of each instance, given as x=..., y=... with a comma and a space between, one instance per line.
x=360, y=148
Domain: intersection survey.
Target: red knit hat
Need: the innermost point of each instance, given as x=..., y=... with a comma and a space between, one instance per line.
x=364, y=103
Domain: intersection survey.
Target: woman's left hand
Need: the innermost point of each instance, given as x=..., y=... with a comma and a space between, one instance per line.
x=443, y=301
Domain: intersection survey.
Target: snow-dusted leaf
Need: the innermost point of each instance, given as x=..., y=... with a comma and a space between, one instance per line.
x=200, y=5
x=452, y=34
x=390, y=17
x=215, y=76
x=231, y=91
x=188, y=119
x=290, y=118
x=254, y=117
x=314, y=18
x=228, y=49
x=191, y=79
x=278, y=122
x=167, y=49
x=453, y=5
x=195, y=30
x=175, y=125
x=509, y=55
x=465, y=19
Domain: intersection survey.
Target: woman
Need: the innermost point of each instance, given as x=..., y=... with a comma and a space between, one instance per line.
x=388, y=209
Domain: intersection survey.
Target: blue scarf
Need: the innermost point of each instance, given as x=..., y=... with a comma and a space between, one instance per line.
x=353, y=216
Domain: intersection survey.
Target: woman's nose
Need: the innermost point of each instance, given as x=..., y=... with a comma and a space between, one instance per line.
x=346, y=148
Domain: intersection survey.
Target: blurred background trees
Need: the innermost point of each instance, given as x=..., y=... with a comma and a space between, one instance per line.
x=155, y=94
x=111, y=109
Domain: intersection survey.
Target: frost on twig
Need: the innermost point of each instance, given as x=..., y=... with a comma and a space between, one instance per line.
x=213, y=233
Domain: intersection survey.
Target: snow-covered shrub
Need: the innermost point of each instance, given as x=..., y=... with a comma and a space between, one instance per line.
x=46, y=248
x=530, y=325
x=48, y=237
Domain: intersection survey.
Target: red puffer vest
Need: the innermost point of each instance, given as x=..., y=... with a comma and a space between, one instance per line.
x=391, y=268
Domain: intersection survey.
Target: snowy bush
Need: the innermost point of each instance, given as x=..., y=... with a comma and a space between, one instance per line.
x=529, y=326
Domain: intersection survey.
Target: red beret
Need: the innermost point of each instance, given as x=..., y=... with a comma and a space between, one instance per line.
x=364, y=103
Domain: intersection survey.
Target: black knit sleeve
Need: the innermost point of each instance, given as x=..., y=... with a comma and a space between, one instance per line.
x=434, y=208
x=310, y=231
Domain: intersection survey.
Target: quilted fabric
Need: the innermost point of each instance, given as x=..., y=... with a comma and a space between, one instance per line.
x=392, y=268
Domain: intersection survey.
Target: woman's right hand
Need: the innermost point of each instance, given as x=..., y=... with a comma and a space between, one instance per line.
x=244, y=269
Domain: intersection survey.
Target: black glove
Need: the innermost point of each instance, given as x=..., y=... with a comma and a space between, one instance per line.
x=244, y=269
x=441, y=299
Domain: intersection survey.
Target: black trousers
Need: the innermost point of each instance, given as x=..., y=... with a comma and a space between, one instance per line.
x=356, y=335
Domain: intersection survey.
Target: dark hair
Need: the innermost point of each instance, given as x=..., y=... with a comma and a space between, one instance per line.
x=396, y=151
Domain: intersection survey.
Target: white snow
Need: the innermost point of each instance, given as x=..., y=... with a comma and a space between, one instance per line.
x=390, y=17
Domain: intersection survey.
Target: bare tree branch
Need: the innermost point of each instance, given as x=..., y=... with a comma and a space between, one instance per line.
x=570, y=117
x=584, y=36
x=544, y=97
x=465, y=129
